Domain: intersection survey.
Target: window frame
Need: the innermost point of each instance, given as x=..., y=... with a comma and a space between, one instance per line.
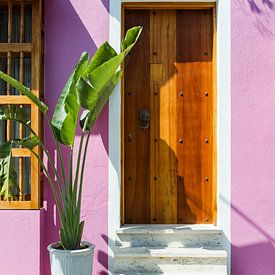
x=36, y=50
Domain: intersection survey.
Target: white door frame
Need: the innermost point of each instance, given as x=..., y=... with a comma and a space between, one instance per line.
x=223, y=124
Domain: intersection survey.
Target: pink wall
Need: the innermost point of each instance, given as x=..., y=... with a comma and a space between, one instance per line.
x=71, y=28
x=19, y=242
x=253, y=137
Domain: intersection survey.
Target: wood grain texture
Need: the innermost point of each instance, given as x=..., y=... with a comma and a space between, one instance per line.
x=15, y=205
x=170, y=169
x=214, y=121
x=21, y=79
x=136, y=140
x=194, y=64
x=163, y=141
x=21, y=152
x=14, y=99
x=36, y=87
x=170, y=6
x=15, y=47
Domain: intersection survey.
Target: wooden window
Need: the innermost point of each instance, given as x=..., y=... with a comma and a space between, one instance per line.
x=20, y=57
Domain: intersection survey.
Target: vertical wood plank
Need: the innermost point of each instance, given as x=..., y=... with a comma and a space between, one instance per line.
x=194, y=63
x=207, y=115
x=188, y=51
x=164, y=116
x=136, y=140
x=214, y=121
x=36, y=85
x=21, y=79
x=154, y=126
x=9, y=65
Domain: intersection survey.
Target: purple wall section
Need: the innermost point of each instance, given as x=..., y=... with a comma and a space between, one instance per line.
x=253, y=137
x=71, y=28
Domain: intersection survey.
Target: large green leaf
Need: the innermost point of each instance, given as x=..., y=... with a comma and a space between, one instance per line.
x=30, y=142
x=102, y=71
x=66, y=112
x=16, y=113
x=104, y=96
x=8, y=185
x=24, y=90
x=131, y=37
x=103, y=54
x=86, y=94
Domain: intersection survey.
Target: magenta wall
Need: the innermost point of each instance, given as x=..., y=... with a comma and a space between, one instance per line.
x=253, y=137
x=19, y=242
x=71, y=28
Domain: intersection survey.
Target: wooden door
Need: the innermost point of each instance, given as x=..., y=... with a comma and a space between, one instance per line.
x=169, y=163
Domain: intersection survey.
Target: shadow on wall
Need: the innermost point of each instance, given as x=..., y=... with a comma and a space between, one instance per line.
x=106, y=4
x=103, y=255
x=66, y=38
x=255, y=258
x=262, y=11
x=256, y=7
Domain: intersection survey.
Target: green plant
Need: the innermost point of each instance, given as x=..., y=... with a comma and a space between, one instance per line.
x=89, y=86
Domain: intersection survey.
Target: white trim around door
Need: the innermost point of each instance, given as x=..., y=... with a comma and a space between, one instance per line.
x=223, y=125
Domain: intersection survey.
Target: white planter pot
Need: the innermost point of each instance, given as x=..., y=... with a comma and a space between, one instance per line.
x=71, y=262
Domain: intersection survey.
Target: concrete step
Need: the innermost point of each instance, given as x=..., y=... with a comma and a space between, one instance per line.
x=170, y=260
x=169, y=236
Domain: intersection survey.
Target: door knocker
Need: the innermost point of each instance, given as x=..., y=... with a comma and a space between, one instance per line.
x=144, y=119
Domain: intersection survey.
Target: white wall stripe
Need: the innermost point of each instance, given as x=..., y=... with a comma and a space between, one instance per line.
x=224, y=119
x=114, y=190
x=223, y=123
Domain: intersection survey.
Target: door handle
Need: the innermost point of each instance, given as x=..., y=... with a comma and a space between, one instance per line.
x=144, y=119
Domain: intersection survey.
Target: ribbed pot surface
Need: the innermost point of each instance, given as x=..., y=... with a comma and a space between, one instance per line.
x=71, y=262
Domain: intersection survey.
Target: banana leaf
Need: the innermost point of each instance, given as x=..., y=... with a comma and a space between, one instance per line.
x=102, y=55
x=29, y=142
x=100, y=77
x=66, y=112
x=103, y=77
x=100, y=103
x=13, y=112
x=8, y=185
x=131, y=38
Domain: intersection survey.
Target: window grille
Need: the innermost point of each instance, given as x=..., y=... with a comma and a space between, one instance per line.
x=20, y=57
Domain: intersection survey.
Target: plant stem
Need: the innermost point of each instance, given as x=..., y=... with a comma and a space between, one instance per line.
x=82, y=169
x=61, y=214
x=71, y=170
x=58, y=151
x=61, y=191
x=78, y=159
x=65, y=198
x=51, y=164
